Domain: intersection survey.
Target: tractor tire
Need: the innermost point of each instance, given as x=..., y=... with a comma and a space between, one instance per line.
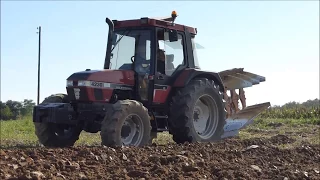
x=126, y=118
x=203, y=96
x=46, y=132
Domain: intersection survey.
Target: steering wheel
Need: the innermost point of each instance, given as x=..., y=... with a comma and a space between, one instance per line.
x=139, y=65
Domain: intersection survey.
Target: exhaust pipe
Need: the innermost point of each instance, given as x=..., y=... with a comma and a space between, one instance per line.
x=109, y=44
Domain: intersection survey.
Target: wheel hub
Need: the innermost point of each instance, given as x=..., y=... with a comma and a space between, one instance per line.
x=205, y=119
x=126, y=130
x=196, y=115
x=132, y=130
x=63, y=131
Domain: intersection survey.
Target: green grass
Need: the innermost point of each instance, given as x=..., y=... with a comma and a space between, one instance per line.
x=17, y=132
x=302, y=130
x=21, y=132
x=292, y=113
x=263, y=122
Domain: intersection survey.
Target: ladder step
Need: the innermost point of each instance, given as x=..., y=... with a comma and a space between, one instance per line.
x=162, y=117
x=162, y=129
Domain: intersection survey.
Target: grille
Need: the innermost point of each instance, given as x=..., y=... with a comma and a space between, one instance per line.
x=83, y=93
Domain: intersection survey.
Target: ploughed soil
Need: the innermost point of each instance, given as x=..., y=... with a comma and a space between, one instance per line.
x=255, y=158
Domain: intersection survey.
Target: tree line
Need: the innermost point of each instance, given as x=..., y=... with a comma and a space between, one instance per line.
x=293, y=110
x=13, y=110
x=309, y=104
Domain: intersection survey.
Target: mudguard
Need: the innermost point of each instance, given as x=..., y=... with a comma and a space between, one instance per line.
x=188, y=74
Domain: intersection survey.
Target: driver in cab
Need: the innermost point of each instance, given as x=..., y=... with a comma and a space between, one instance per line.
x=142, y=65
x=161, y=57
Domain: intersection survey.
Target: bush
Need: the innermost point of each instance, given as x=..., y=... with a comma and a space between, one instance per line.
x=292, y=113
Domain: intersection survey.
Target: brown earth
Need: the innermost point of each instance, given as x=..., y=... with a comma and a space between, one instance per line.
x=230, y=159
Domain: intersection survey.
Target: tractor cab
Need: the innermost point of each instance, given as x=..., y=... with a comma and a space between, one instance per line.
x=156, y=50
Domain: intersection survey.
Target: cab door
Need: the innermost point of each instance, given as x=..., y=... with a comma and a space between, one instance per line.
x=142, y=67
x=170, y=56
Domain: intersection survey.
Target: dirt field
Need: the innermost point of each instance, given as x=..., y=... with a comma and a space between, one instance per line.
x=276, y=152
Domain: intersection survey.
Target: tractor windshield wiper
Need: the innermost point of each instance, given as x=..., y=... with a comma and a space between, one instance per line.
x=124, y=34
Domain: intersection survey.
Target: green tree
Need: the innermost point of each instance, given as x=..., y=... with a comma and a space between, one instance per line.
x=311, y=103
x=27, y=107
x=291, y=105
x=15, y=107
x=6, y=113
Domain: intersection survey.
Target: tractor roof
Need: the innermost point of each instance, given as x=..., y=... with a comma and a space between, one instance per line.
x=165, y=22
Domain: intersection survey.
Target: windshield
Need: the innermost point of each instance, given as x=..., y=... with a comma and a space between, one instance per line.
x=130, y=45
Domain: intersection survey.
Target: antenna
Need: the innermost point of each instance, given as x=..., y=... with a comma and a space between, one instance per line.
x=39, y=48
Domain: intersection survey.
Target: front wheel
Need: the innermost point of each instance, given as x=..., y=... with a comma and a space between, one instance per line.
x=126, y=123
x=57, y=135
x=197, y=113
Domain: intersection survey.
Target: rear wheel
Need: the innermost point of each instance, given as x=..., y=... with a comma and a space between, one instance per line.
x=197, y=113
x=126, y=123
x=57, y=135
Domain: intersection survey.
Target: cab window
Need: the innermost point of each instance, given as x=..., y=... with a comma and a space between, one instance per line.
x=173, y=53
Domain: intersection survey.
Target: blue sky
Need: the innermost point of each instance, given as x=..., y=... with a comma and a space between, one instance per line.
x=279, y=40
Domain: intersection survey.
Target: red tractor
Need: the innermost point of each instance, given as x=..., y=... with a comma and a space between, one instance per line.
x=151, y=83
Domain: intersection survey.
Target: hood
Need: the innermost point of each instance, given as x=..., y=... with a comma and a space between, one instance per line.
x=125, y=77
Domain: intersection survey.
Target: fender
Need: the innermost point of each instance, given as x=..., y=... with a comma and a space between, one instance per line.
x=189, y=74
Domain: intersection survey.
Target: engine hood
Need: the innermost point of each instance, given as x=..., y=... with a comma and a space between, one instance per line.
x=125, y=77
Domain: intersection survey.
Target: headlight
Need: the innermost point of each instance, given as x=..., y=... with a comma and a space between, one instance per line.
x=69, y=83
x=85, y=83
x=82, y=83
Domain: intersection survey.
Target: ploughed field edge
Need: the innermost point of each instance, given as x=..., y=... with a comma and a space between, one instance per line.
x=256, y=158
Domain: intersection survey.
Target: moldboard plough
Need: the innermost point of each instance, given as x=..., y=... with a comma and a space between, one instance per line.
x=236, y=118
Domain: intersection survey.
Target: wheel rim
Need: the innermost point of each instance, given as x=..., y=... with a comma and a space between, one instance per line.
x=205, y=121
x=64, y=132
x=132, y=130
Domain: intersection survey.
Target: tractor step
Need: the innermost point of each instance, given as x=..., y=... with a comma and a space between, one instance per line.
x=162, y=129
x=161, y=117
x=242, y=118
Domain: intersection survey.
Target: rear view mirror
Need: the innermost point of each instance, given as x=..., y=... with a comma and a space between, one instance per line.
x=173, y=35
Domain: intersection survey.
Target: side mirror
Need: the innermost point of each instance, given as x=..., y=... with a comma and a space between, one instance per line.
x=173, y=35
x=114, y=39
